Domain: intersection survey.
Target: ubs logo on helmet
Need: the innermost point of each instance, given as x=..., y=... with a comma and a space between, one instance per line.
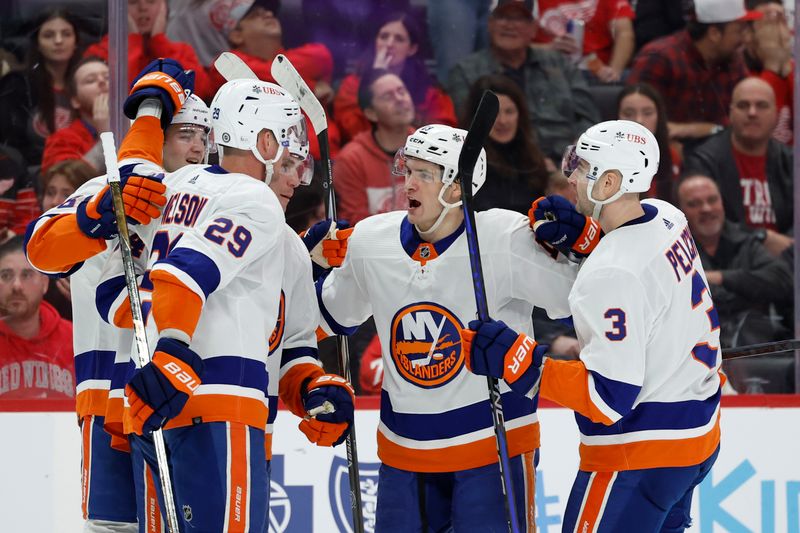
x=426, y=344
x=277, y=333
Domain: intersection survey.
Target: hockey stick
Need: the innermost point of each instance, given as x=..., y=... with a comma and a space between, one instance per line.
x=142, y=349
x=287, y=77
x=766, y=348
x=482, y=122
x=231, y=67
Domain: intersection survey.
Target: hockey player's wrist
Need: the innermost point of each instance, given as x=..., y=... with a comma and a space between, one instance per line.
x=176, y=334
x=150, y=107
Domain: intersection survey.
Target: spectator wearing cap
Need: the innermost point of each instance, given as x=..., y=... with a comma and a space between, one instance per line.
x=147, y=22
x=768, y=55
x=608, y=40
x=365, y=184
x=257, y=38
x=753, y=170
x=88, y=90
x=205, y=25
x=34, y=101
x=18, y=204
x=35, y=343
x=556, y=92
x=696, y=69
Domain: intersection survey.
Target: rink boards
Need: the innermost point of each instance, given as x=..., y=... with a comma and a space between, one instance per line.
x=754, y=486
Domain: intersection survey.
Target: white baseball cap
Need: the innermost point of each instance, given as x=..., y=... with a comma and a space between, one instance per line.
x=721, y=11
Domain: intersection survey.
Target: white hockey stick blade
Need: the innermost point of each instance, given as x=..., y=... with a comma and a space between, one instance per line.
x=231, y=67
x=287, y=77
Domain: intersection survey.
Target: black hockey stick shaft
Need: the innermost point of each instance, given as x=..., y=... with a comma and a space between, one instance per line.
x=765, y=348
x=287, y=77
x=342, y=348
x=482, y=123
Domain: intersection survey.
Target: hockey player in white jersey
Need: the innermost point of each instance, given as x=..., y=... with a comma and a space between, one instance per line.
x=60, y=245
x=199, y=265
x=410, y=270
x=296, y=375
x=646, y=388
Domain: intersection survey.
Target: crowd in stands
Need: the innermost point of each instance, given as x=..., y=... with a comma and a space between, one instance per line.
x=712, y=79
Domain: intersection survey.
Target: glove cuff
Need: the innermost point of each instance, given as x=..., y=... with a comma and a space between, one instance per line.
x=179, y=364
x=519, y=358
x=327, y=380
x=165, y=83
x=93, y=227
x=589, y=237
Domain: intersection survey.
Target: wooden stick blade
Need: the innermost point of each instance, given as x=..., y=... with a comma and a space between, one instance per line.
x=482, y=122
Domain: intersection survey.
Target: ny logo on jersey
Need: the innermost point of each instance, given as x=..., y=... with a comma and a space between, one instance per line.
x=426, y=344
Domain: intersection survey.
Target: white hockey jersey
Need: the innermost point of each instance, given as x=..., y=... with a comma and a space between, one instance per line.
x=649, y=336
x=94, y=341
x=221, y=236
x=293, y=342
x=435, y=414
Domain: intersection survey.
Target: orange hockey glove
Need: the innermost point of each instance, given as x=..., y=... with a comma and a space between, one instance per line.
x=330, y=402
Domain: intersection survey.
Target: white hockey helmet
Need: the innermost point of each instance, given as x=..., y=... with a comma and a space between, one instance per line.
x=194, y=111
x=621, y=145
x=242, y=108
x=441, y=145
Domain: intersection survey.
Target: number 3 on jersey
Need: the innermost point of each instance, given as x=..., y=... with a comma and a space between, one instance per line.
x=703, y=352
x=237, y=243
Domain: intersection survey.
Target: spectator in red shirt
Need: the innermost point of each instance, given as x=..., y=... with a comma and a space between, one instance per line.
x=35, y=343
x=769, y=56
x=608, y=40
x=88, y=88
x=641, y=103
x=18, y=204
x=753, y=170
x=365, y=184
x=258, y=37
x=696, y=69
x=147, y=21
x=396, y=49
x=34, y=101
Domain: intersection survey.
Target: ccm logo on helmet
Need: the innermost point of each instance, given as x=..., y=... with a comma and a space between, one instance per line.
x=519, y=357
x=181, y=375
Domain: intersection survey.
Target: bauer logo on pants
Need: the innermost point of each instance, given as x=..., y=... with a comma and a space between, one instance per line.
x=426, y=344
x=339, y=494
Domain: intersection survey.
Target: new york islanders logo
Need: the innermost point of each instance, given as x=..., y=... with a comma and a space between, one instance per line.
x=426, y=344
x=277, y=333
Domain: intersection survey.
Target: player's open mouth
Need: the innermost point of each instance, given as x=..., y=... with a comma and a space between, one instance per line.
x=192, y=160
x=412, y=203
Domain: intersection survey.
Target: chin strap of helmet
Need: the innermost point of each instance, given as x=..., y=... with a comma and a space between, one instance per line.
x=269, y=170
x=440, y=218
x=598, y=204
